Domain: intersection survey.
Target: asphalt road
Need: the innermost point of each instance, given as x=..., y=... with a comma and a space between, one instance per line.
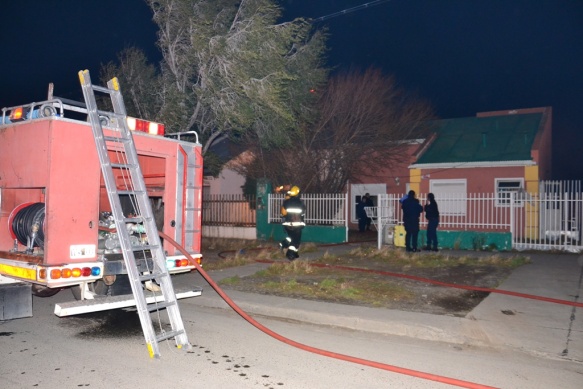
x=104, y=350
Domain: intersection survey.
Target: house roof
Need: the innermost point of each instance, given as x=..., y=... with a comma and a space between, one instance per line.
x=483, y=139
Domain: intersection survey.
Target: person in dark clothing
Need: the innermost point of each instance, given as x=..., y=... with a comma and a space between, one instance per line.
x=361, y=215
x=432, y=216
x=293, y=211
x=411, y=212
x=368, y=203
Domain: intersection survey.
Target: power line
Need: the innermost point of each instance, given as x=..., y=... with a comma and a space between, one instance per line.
x=349, y=10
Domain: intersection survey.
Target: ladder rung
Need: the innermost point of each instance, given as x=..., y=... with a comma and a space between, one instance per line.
x=152, y=276
x=115, y=139
x=160, y=305
x=101, y=89
x=131, y=192
x=123, y=165
x=146, y=247
x=168, y=335
x=133, y=219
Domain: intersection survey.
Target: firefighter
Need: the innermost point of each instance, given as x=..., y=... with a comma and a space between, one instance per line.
x=293, y=211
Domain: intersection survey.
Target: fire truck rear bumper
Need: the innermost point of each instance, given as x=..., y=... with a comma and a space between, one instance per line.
x=114, y=302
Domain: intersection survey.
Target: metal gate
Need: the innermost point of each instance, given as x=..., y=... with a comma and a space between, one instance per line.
x=550, y=219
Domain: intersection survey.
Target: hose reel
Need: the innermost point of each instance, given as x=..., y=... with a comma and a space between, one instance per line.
x=27, y=225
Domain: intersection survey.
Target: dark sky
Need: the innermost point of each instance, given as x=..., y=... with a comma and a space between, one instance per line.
x=464, y=56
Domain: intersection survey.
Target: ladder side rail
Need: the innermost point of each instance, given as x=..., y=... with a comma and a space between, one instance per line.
x=115, y=202
x=145, y=211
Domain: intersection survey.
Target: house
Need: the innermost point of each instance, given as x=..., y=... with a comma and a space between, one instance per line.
x=493, y=152
x=228, y=181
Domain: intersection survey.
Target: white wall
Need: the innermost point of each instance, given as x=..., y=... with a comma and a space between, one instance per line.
x=228, y=182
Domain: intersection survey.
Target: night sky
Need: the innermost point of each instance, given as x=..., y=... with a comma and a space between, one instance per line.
x=464, y=56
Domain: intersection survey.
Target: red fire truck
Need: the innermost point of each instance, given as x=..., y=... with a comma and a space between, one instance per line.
x=55, y=217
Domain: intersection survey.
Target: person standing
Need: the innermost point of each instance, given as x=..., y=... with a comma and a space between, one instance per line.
x=368, y=203
x=293, y=212
x=361, y=215
x=412, y=210
x=432, y=216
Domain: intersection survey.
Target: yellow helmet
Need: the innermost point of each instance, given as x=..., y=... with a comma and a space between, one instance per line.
x=294, y=191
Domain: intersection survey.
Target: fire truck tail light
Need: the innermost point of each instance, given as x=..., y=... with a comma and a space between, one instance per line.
x=55, y=274
x=148, y=127
x=77, y=272
x=175, y=263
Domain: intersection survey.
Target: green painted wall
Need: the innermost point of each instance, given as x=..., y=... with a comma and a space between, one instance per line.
x=316, y=234
x=470, y=240
x=264, y=231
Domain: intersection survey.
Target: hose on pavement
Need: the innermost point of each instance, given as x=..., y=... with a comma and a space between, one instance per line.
x=365, y=362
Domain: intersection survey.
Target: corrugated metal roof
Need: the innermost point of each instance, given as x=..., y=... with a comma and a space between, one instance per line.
x=480, y=139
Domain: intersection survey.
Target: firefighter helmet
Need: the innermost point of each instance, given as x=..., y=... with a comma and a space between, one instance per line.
x=294, y=191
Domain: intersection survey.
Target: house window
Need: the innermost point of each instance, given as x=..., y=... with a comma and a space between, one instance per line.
x=504, y=189
x=450, y=195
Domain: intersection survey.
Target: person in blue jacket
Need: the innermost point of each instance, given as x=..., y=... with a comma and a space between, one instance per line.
x=412, y=210
x=361, y=215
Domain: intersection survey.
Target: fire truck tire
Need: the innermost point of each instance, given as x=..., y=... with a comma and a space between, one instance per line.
x=43, y=291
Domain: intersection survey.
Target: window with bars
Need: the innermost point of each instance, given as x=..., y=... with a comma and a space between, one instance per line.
x=505, y=187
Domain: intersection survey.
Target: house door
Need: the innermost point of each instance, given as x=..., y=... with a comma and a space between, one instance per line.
x=357, y=191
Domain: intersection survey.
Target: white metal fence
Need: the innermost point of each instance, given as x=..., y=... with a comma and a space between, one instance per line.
x=321, y=209
x=542, y=221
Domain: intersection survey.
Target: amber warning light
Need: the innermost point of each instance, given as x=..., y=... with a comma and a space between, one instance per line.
x=148, y=127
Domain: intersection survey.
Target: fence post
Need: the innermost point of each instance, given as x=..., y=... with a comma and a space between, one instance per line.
x=513, y=234
x=262, y=212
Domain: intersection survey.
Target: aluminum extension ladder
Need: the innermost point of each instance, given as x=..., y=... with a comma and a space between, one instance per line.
x=133, y=185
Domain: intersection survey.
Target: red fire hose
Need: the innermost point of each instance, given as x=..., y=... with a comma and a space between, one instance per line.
x=365, y=362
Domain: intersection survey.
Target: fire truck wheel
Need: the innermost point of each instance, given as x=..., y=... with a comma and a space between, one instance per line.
x=43, y=291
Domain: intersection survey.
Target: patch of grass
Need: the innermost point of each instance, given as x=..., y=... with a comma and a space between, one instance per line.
x=300, y=279
x=355, y=290
x=399, y=258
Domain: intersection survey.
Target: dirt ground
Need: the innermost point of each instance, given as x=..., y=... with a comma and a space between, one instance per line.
x=421, y=296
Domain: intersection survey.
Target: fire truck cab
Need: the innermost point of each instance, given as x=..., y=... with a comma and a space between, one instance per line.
x=55, y=217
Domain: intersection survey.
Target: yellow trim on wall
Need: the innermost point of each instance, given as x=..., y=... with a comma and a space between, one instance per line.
x=415, y=180
x=414, y=176
x=531, y=173
x=532, y=210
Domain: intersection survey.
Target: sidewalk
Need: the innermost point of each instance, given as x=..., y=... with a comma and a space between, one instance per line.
x=532, y=326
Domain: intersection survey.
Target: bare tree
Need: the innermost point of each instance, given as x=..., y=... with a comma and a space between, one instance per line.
x=364, y=119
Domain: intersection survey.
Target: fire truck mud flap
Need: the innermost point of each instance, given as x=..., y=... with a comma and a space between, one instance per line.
x=115, y=302
x=15, y=300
